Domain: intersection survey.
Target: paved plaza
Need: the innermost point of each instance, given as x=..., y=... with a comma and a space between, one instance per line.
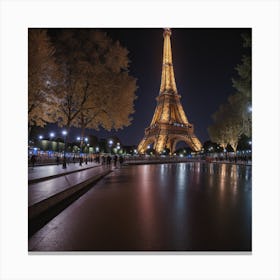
x=190, y=206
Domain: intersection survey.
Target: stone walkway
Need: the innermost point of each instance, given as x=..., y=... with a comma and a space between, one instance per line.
x=49, y=171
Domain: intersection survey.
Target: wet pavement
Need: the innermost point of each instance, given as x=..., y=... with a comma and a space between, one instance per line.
x=42, y=190
x=45, y=171
x=164, y=207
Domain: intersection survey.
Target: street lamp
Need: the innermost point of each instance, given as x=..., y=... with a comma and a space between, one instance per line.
x=79, y=139
x=64, y=133
x=118, y=147
x=86, y=140
x=110, y=145
x=51, y=137
x=41, y=143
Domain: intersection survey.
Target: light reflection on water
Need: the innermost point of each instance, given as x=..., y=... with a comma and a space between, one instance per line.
x=146, y=206
x=194, y=196
x=185, y=206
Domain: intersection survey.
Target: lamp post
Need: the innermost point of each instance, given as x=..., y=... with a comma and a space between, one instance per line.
x=110, y=145
x=64, y=132
x=118, y=148
x=41, y=143
x=86, y=140
x=51, y=137
x=79, y=139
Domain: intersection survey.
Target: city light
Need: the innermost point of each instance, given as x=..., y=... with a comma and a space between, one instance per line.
x=52, y=134
x=64, y=132
x=40, y=137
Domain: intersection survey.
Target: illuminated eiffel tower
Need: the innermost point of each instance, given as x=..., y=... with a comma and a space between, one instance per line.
x=169, y=124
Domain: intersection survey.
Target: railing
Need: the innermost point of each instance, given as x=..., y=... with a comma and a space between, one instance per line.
x=162, y=159
x=174, y=159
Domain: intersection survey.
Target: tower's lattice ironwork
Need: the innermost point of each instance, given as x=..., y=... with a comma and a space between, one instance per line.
x=169, y=124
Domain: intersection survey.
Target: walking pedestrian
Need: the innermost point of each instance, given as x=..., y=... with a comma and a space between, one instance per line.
x=97, y=159
x=108, y=160
x=115, y=161
x=57, y=160
x=33, y=160
x=103, y=160
x=81, y=161
x=121, y=159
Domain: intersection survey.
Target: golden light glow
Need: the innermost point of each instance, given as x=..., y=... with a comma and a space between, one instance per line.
x=167, y=76
x=169, y=123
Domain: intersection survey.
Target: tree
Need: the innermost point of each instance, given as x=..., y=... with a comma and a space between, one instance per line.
x=243, y=86
x=43, y=75
x=98, y=91
x=227, y=127
x=234, y=117
x=244, y=143
x=218, y=131
x=103, y=106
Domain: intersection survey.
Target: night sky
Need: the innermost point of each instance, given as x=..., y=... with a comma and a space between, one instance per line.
x=204, y=62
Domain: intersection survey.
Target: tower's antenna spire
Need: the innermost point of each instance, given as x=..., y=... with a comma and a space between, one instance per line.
x=168, y=84
x=167, y=30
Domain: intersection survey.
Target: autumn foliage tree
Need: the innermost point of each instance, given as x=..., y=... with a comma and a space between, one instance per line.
x=243, y=86
x=234, y=118
x=43, y=77
x=97, y=89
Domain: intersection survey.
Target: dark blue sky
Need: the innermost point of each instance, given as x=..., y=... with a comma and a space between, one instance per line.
x=204, y=62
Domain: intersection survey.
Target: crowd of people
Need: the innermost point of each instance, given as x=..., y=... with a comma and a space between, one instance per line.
x=234, y=159
x=116, y=160
x=107, y=160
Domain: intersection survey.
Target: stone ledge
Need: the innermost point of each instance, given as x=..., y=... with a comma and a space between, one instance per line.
x=37, y=209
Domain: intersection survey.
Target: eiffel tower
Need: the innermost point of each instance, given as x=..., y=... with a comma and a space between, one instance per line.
x=169, y=124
